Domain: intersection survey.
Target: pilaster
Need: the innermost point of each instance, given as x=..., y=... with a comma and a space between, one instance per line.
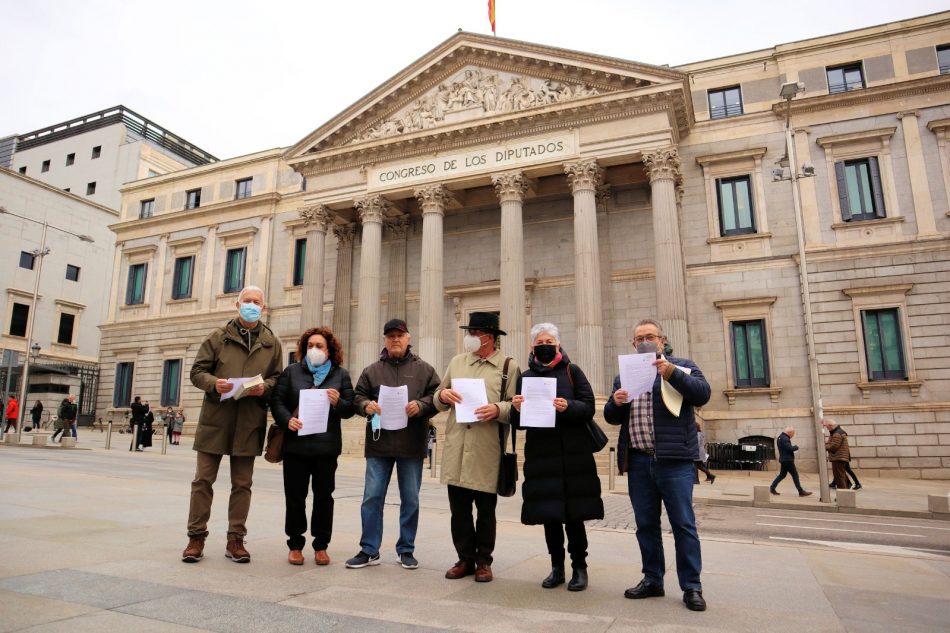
x=920, y=187
x=511, y=188
x=343, y=288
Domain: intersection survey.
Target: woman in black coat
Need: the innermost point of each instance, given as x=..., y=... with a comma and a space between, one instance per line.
x=311, y=460
x=561, y=487
x=140, y=412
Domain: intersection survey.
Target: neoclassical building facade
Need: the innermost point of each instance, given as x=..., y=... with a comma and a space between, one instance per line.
x=554, y=185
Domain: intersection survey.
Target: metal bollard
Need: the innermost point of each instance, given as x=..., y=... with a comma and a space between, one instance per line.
x=432, y=462
x=135, y=438
x=611, y=468
x=109, y=436
x=164, y=437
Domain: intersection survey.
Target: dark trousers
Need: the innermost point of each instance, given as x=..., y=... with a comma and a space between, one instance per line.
x=840, y=475
x=10, y=422
x=787, y=468
x=300, y=474
x=202, y=494
x=474, y=540
x=576, y=543
x=55, y=433
x=701, y=466
x=847, y=468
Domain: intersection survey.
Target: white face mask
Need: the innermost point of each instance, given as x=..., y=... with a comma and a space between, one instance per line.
x=471, y=343
x=316, y=356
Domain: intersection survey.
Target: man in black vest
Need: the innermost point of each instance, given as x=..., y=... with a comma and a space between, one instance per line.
x=656, y=449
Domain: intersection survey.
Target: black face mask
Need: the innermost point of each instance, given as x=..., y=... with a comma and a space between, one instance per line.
x=545, y=353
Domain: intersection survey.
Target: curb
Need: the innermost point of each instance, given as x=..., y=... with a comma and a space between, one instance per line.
x=831, y=508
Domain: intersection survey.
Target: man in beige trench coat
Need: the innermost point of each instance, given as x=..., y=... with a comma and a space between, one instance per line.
x=471, y=454
x=244, y=347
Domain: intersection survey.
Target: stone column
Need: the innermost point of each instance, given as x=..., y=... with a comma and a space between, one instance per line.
x=432, y=200
x=207, y=282
x=343, y=288
x=920, y=187
x=315, y=218
x=260, y=277
x=396, y=282
x=158, y=285
x=511, y=188
x=368, y=338
x=116, y=277
x=584, y=176
x=663, y=168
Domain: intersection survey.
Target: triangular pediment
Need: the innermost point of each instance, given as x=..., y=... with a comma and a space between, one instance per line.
x=474, y=80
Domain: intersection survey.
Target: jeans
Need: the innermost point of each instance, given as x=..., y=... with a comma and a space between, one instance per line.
x=379, y=470
x=300, y=474
x=651, y=481
x=787, y=468
x=73, y=427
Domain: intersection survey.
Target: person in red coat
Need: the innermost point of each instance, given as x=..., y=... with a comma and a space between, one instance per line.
x=13, y=413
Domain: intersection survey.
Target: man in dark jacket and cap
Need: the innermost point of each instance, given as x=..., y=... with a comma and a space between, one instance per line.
x=656, y=448
x=404, y=448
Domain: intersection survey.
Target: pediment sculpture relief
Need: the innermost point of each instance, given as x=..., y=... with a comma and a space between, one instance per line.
x=480, y=92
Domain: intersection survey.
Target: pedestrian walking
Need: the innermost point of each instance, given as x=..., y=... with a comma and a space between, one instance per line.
x=839, y=453
x=36, y=414
x=12, y=413
x=68, y=412
x=786, y=460
x=702, y=458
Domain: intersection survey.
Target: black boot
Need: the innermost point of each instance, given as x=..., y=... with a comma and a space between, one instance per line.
x=555, y=578
x=578, y=580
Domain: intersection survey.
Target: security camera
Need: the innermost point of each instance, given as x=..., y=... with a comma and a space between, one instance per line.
x=808, y=169
x=778, y=174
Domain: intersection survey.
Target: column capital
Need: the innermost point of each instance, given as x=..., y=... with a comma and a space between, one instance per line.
x=398, y=226
x=315, y=217
x=344, y=234
x=584, y=175
x=662, y=164
x=434, y=198
x=602, y=195
x=913, y=113
x=371, y=209
x=510, y=186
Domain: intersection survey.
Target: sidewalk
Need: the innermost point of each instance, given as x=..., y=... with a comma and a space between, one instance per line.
x=90, y=540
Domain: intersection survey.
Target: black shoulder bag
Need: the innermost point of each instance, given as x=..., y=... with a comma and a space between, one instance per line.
x=508, y=462
x=598, y=438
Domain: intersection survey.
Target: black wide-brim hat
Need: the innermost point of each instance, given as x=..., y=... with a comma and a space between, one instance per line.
x=484, y=321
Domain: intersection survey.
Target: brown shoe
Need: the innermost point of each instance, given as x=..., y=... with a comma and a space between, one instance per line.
x=236, y=552
x=805, y=493
x=321, y=557
x=461, y=569
x=483, y=572
x=295, y=557
x=195, y=550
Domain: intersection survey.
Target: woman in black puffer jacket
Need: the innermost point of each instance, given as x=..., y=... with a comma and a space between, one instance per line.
x=561, y=487
x=311, y=460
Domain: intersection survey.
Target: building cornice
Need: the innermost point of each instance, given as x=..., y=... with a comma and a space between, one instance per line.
x=874, y=94
x=210, y=214
x=52, y=189
x=192, y=172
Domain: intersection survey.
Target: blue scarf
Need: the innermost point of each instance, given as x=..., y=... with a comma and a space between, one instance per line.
x=319, y=372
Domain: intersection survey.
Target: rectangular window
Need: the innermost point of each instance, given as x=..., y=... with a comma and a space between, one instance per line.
x=725, y=102
x=234, y=270
x=859, y=189
x=96, y=152
x=122, y=394
x=171, y=382
x=135, y=291
x=242, y=188
x=90, y=188
x=23, y=170
x=70, y=159
x=147, y=208
x=66, y=324
x=27, y=260
x=72, y=272
x=18, y=319
x=943, y=59
x=750, y=353
x=735, y=206
x=45, y=167
x=845, y=78
x=193, y=199
x=882, y=344
x=184, y=272
x=300, y=260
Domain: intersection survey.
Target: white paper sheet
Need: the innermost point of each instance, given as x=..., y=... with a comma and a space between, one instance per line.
x=473, y=395
x=393, y=401
x=538, y=410
x=235, y=385
x=313, y=411
x=637, y=373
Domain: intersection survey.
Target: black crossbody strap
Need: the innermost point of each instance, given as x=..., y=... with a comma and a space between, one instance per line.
x=501, y=395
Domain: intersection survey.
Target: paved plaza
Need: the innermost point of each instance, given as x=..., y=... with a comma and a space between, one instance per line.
x=90, y=540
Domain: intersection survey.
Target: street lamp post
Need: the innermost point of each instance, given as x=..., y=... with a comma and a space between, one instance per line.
x=787, y=92
x=39, y=254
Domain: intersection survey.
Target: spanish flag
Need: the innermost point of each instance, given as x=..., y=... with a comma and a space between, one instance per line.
x=491, y=15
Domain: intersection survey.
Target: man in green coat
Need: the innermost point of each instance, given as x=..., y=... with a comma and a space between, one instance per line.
x=243, y=348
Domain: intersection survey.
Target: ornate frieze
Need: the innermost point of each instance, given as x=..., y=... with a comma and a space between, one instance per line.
x=583, y=174
x=315, y=217
x=433, y=199
x=476, y=89
x=371, y=208
x=663, y=164
x=510, y=186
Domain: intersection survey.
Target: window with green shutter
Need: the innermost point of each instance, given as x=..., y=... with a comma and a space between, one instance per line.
x=860, y=195
x=750, y=354
x=182, y=279
x=735, y=206
x=135, y=290
x=171, y=382
x=300, y=260
x=883, y=344
x=234, y=270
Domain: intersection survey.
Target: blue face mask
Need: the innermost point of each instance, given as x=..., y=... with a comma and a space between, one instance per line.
x=250, y=312
x=376, y=424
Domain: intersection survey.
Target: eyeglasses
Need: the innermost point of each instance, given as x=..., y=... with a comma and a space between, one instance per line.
x=649, y=338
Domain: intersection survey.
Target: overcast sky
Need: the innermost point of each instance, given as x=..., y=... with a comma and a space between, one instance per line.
x=240, y=76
